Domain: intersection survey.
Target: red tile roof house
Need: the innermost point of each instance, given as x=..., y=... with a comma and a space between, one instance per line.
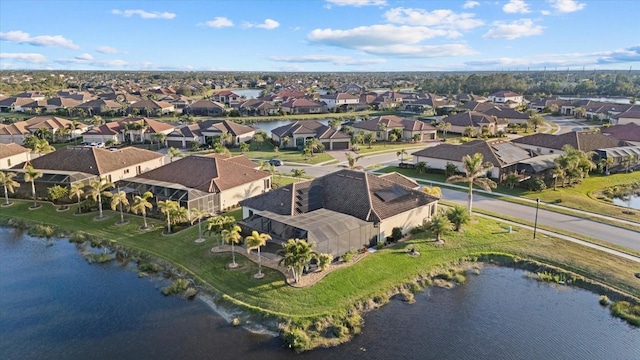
x=149, y=107
x=339, y=212
x=117, y=132
x=506, y=97
x=18, y=131
x=502, y=154
x=383, y=125
x=477, y=120
x=70, y=165
x=303, y=106
x=211, y=183
x=12, y=154
x=205, y=107
x=300, y=131
x=543, y=144
x=205, y=132
x=226, y=97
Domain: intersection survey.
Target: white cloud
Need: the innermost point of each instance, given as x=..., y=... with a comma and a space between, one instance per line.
x=85, y=56
x=81, y=60
x=545, y=12
x=22, y=37
x=420, y=51
x=567, y=6
x=268, y=24
x=357, y=3
x=107, y=50
x=375, y=35
x=219, y=22
x=144, y=14
x=333, y=59
x=516, y=7
x=470, y=4
x=24, y=57
x=440, y=19
x=513, y=30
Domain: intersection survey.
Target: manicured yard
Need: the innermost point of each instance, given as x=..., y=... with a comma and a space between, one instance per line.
x=381, y=147
x=266, y=152
x=376, y=274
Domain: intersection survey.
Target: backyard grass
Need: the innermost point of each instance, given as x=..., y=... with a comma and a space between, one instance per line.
x=340, y=290
x=383, y=147
x=266, y=152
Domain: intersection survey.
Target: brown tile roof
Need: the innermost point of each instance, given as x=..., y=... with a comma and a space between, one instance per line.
x=499, y=153
x=469, y=118
x=153, y=126
x=354, y=193
x=151, y=104
x=585, y=141
x=626, y=132
x=31, y=125
x=211, y=174
x=100, y=103
x=393, y=121
x=400, y=179
x=92, y=160
x=11, y=149
x=206, y=104
x=238, y=159
x=320, y=130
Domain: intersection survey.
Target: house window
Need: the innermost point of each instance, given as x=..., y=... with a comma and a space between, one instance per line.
x=8, y=162
x=250, y=212
x=126, y=171
x=138, y=170
x=550, y=151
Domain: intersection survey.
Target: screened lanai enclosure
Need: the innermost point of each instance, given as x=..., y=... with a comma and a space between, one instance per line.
x=50, y=178
x=188, y=198
x=330, y=232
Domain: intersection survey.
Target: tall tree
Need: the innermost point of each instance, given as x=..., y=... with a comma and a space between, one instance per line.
x=216, y=224
x=120, y=199
x=197, y=215
x=475, y=174
x=256, y=241
x=605, y=164
x=97, y=190
x=6, y=179
x=77, y=190
x=232, y=237
x=41, y=146
x=168, y=207
x=31, y=175
x=401, y=154
x=141, y=204
x=296, y=255
x=173, y=153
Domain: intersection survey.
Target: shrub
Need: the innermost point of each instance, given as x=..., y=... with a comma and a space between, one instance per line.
x=348, y=256
x=177, y=286
x=296, y=339
x=42, y=231
x=604, y=300
x=340, y=331
x=98, y=258
x=355, y=322
x=535, y=184
x=627, y=311
x=324, y=260
x=396, y=233
x=459, y=278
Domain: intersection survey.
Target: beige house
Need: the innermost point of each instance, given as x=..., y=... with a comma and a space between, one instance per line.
x=339, y=212
x=13, y=154
x=544, y=144
x=205, y=132
x=211, y=183
x=296, y=134
x=480, y=122
x=628, y=117
x=16, y=132
x=507, y=98
x=118, y=131
x=69, y=165
x=383, y=126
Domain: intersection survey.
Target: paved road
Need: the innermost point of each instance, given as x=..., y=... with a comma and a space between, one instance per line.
x=595, y=230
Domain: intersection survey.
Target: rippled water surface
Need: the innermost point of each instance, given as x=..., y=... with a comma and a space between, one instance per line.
x=54, y=305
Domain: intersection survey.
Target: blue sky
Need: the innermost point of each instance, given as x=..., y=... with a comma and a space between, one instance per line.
x=320, y=35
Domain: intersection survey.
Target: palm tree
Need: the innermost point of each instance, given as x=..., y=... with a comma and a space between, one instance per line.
x=98, y=189
x=296, y=254
x=439, y=224
x=458, y=216
x=535, y=120
x=141, y=204
x=232, y=237
x=421, y=167
x=605, y=164
x=173, y=152
x=352, y=160
x=557, y=172
x=401, y=155
x=511, y=180
x=382, y=129
x=627, y=161
x=168, y=207
x=215, y=225
x=475, y=171
x=41, y=146
x=369, y=138
x=6, y=179
x=197, y=215
x=77, y=190
x=284, y=142
x=31, y=175
x=72, y=127
x=297, y=173
x=226, y=138
x=255, y=241
x=120, y=199
x=444, y=127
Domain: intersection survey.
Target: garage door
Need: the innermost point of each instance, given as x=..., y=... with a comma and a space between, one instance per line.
x=174, y=143
x=327, y=146
x=341, y=145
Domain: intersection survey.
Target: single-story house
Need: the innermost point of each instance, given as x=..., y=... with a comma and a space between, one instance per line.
x=150, y=107
x=339, y=212
x=502, y=154
x=500, y=112
x=18, y=131
x=100, y=106
x=253, y=107
x=205, y=132
x=15, y=104
x=205, y=107
x=620, y=155
x=552, y=144
x=477, y=120
x=382, y=126
x=210, y=183
x=12, y=154
x=117, y=131
x=303, y=106
x=627, y=117
x=629, y=133
x=297, y=133
x=69, y=165
x=226, y=97
x=536, y=166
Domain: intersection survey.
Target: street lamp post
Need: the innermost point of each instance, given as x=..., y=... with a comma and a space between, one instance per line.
x=535, y=224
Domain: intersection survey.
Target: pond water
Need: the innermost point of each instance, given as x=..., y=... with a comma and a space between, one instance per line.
x=616, y=100
x=54, y=305
x=633, y=202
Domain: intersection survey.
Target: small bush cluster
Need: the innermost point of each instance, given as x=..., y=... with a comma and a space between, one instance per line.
x=296, y=339
x=604, y=300
x=177, y=286
x=348, y=256
x=42, y=231
x=627, y=311
x=98, y=258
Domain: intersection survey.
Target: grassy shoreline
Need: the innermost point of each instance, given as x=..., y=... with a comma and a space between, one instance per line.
x=333, y=306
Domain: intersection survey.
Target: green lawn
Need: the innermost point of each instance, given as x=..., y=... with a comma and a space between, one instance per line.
x=382, y=147
x=266, y=152
x=375, y=274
